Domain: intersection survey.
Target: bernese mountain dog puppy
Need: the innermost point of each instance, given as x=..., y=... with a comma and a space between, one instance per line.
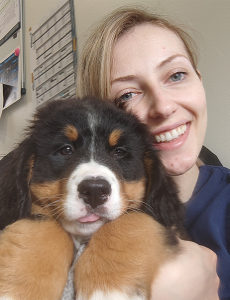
x=86, y=172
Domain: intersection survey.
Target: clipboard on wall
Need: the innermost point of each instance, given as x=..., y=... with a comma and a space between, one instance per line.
x=12, y=71
x=53, y=55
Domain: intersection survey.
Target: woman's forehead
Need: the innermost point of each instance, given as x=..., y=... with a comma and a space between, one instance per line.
x=146, y=44
x=150, y=35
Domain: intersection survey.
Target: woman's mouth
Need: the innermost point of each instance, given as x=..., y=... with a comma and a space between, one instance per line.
x=171, y=135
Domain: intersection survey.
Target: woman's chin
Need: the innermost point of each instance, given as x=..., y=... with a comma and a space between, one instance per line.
x=179, y=166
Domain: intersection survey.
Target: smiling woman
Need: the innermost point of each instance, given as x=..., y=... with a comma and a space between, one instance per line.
x=147, y=65
x=152, y=63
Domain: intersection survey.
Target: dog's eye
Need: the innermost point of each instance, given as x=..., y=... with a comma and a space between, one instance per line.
x=119, y=153
x=67, y=150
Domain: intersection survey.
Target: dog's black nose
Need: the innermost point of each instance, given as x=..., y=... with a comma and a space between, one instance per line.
x=94, y=191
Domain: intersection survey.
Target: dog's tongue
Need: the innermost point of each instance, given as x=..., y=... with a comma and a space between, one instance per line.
x=90, y=218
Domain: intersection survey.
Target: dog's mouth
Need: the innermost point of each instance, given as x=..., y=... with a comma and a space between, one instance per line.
x=89, y=218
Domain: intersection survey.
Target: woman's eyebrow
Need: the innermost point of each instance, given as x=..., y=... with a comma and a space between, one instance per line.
x=161, y=64
x=124, y=78
x=169, y=59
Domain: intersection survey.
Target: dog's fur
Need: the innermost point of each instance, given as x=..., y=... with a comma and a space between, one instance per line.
x=84, y=164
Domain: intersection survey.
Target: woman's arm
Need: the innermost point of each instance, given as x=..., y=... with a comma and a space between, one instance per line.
x=192, y=276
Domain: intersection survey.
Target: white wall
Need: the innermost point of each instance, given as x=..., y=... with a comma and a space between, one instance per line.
x=211, y=23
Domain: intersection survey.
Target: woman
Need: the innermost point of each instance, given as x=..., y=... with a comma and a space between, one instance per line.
x=147, y=65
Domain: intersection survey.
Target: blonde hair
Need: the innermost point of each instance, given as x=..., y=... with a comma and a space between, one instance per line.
x=95, y=62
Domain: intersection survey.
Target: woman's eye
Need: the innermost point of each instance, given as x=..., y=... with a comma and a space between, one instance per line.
x=120, y=102
x=67, y=150
x=177, y=76
x=127, y=96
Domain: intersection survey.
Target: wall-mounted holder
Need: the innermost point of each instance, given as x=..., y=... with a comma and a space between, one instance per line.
x=53, y=55
x=12, y=70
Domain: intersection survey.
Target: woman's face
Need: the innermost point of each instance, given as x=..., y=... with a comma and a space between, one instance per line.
x=153, y=77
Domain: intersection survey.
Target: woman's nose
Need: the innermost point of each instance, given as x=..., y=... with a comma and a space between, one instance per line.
x=161, y=105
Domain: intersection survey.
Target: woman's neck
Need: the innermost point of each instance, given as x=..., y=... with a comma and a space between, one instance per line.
x=186, y=183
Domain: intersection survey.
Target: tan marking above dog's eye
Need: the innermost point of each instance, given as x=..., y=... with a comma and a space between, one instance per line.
x=114, y=137
x=71, y=133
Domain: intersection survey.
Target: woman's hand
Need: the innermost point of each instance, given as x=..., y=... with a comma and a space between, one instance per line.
x=192, y=276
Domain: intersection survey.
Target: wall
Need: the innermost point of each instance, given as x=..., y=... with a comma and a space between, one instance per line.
x=210, y=22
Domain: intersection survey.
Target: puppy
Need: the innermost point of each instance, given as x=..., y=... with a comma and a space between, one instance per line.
x=86, y=172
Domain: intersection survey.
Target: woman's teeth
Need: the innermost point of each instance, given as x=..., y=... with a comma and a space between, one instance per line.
x=171, y=135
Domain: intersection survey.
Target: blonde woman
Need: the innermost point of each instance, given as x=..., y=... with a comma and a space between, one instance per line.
x=148, y=65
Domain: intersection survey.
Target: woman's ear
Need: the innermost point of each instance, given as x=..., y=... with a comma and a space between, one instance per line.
x=161, y=193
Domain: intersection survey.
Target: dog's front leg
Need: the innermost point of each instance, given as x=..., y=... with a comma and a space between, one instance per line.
x=35, y=257
x=122, y=259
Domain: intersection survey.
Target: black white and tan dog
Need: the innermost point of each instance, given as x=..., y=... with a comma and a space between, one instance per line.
x=86, y=171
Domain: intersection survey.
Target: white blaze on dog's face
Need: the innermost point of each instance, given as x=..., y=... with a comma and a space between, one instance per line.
x=81, y=218
x=86, y=174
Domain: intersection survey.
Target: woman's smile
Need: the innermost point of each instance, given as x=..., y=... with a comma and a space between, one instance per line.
x=173, y=134
x=170, y=140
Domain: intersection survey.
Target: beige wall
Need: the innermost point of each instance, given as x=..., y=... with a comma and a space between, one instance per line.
x=211, y=23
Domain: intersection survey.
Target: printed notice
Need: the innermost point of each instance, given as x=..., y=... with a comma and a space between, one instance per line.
x=9, y=17
x=10, y=78
x=53, y=60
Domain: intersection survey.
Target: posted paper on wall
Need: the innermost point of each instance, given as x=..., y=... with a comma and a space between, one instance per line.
x=10, y=78
x=9, y=17
x=53, y=61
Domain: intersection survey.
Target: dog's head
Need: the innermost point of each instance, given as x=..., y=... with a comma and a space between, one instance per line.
x=85, y=162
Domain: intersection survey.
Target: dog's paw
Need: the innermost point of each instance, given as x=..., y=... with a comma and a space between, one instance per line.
x=35, y=257
x=122, y=258
x=112, y=295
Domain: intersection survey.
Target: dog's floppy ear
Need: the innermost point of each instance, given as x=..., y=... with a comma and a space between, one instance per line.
x=162, y=198
x=15, y=172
